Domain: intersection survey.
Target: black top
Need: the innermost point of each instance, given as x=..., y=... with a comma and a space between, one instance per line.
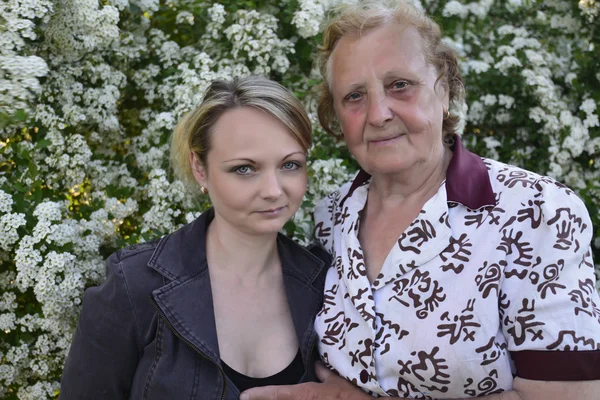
x=288, y=376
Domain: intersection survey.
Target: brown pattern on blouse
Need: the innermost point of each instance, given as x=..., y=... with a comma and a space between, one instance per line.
x=471, y=281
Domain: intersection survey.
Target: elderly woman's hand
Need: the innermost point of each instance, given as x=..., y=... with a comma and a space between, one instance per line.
x=332, y=387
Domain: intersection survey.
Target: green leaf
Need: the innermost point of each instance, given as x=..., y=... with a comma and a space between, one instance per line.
x=23, y=153
x=33, y=169
x=42, y=144
x=20, y=116
x=20, y=204
x=20, y=187
x=4, y=120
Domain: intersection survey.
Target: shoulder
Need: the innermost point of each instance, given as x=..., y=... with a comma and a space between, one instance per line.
x=310, y=264
x=137, y=252
x=135, y=256
x=325, y=208
x=313, y=253
x=129, y=266
x=540, y=202
x=516, y=185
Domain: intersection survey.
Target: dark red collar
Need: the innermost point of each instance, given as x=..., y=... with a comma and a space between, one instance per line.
x=467, y=179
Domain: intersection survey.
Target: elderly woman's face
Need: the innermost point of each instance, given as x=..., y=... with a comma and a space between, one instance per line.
x=386, y=99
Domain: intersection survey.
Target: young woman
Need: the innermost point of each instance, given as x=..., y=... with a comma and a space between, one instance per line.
x=225, y=303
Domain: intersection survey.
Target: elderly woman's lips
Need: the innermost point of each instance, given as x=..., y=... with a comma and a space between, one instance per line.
x=385, y=141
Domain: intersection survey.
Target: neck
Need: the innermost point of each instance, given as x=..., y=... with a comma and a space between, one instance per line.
x=415, y=186
x=239, y=254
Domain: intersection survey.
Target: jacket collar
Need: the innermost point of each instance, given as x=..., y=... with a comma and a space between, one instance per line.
x=467, y=179
x=186, y=301
x=183, y=253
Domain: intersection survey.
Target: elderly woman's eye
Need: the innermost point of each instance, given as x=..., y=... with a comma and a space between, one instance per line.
x=354, y=96
x=399, y=85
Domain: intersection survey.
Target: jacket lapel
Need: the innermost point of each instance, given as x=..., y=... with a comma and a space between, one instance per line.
x=186, y=301
x=302, y=279
x=187, y=306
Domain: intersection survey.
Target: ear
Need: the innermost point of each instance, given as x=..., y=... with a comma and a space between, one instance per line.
x=198, y=170
x=446, y=98
x=444, y=93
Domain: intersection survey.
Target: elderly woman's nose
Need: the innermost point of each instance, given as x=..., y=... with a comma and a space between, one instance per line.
x=270, y=185
x=379, y=111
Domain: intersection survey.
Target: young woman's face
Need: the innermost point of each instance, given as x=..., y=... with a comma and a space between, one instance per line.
x=255, y=172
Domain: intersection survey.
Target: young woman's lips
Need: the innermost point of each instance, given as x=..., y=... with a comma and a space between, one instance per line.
x=273, y=212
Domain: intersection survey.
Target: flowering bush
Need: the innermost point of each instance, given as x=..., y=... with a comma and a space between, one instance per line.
x=90, y=91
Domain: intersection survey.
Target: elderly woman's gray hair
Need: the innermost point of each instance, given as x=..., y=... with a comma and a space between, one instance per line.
x=358, y=19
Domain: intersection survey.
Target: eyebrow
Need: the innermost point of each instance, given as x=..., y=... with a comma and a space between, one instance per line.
x=354, y=86
x=389, y=75
x=249, y=160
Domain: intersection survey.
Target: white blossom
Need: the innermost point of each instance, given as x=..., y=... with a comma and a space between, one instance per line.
x=103, y=84
x=6, y=202
x=185, y=17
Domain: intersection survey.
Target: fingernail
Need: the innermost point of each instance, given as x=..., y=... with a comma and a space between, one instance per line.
x=244, y=396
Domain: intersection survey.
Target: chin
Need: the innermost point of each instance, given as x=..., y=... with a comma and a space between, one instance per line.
x=388, y=168
x=267, y=227
x=388, y=163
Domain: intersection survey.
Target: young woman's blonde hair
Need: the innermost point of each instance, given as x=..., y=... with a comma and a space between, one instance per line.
x=358, y=19
x=194, y=131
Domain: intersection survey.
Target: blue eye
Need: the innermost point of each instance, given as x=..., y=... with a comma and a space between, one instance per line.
x=242, y=170
x=291, y=166
x=354, y=96
x=399, y=85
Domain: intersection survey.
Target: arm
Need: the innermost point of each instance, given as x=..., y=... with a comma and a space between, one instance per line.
x=334, y=387
x=565, y=299
x=104, y=352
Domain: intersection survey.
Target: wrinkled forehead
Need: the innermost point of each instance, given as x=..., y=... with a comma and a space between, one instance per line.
x=390, y=47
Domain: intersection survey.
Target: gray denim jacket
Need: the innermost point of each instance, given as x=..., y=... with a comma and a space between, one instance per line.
x=148, y=332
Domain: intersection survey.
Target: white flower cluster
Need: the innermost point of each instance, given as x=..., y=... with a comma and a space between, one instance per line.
x=148, y=6
x=310, y=15
x=590, y=8
x=254, y=41
x=518, y=51
x=68, y=159
x=328, y=175
x=78, y=27
x=185, y=17
x=325, y=177
x=9, y=222
x=19, y=74
x=479, y=9
x=163, y=194
x=104, y=83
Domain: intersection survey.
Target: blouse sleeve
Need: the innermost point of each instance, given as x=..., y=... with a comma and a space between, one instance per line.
x=549, y=305
x=324, y=214
x=104, y=353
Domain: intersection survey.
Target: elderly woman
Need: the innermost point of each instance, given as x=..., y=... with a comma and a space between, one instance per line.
x=454, y=276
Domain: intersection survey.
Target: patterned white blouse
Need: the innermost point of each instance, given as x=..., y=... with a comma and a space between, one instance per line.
x=493, y=279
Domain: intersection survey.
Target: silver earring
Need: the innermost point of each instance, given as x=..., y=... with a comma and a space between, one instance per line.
x=203, y=190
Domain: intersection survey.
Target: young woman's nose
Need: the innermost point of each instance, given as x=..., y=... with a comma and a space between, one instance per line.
x=271, y=185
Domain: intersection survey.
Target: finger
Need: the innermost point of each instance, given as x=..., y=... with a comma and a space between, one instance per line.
x=323, y=373
x=267, y=393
